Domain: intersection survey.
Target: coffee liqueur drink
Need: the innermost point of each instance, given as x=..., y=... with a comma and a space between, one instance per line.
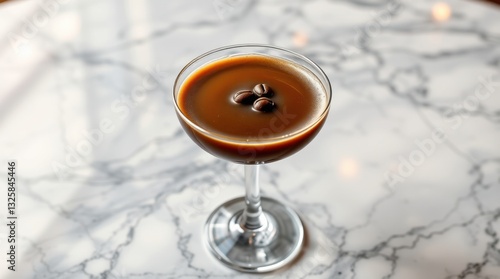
x=252, y=108
x=252, y=104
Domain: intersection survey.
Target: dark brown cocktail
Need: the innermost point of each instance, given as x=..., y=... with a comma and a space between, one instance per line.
x=252, y=104
x=239, y=132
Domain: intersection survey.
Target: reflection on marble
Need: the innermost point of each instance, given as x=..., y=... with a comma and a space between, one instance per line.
x=403, y=181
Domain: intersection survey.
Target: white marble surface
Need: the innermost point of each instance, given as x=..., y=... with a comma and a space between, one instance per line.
x=132, y=204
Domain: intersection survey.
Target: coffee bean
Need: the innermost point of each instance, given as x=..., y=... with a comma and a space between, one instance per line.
x=263, y=104
x=263, y=90
x=244, y=97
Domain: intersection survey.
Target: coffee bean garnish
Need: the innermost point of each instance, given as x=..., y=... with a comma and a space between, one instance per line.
x=258, y=96
x=263, y=90
x=263, y=104
x=245, y=97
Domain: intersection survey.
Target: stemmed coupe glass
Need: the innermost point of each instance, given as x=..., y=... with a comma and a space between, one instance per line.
x=253, y=233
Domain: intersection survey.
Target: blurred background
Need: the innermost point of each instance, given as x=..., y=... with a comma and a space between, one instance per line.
x=111, y=187
x=62, y=60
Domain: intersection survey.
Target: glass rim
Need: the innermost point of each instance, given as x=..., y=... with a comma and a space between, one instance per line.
x=225, y=138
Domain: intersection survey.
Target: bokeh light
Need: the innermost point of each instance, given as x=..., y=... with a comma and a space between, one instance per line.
x=348, y=168
x=441, y=11
x=300, y=39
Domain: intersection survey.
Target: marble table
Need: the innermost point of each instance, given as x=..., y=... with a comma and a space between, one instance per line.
x=402, y=182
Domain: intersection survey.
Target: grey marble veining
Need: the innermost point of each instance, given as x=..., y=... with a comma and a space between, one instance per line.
x=402, y=182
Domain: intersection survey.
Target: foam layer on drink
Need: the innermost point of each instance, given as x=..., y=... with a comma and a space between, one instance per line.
x=206, y=98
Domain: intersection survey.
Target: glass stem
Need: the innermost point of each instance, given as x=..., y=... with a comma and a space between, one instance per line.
x=252, y=217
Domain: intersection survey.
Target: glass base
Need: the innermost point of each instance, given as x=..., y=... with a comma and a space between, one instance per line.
x=265, y=249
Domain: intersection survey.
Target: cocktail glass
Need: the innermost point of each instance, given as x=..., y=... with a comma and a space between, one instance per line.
x=253, y=233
